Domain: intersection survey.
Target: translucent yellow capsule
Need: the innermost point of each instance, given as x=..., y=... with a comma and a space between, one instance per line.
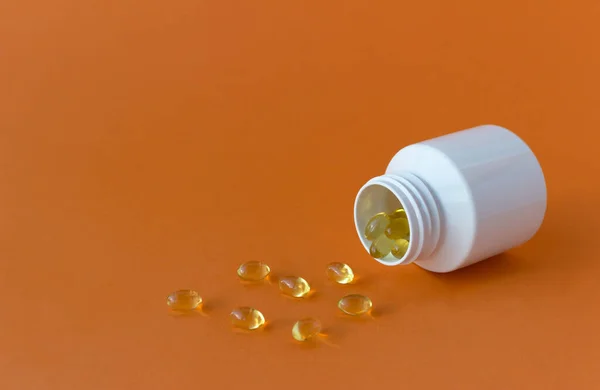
x=381, y=247
x=247, y=318
x=355, y=304
x=294, y=286
x=400, y=247
x=376, y=226
x=306, y=329
x=253, y=271
x=340, y=273
x=398, y=228
x=184, y=300
x=400, y=213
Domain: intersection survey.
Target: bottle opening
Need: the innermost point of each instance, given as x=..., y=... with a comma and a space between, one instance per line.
x=387, y=194
x=383, y=224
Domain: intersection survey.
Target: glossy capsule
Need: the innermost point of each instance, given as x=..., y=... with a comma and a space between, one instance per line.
x=340, y=273
x=253, y=271
x=247, y=318
x=294, y=286
x=184, y=300
x=376, y=226
x=355, y=304
x=399, y=213
x=381, y=247
x=306, y=329
x=400, y=248
x=398, y=228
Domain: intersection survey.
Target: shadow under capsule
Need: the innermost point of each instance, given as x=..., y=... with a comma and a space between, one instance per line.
x=310, y=295
x=264, y=329
x=256, y=283
x=360, y=318
x=322, y=338
x=195, y=313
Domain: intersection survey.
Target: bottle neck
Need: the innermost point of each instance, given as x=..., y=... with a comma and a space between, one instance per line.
x=383, y=193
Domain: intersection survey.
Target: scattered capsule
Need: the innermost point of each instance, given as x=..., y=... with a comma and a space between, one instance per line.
x=381, y=247
x=376, y=226
x=398, y=228
x=340, y=273
x=306, y=329
x=400, y=213
x=294, y=286
x=247, y=318
x=184, y=300
x=253, y=271
x=355, y=304
x=400, y=248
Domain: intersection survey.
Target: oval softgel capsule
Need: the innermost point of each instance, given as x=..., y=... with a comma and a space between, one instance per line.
x=247, y=318
x=340, y=273
x=355, y=304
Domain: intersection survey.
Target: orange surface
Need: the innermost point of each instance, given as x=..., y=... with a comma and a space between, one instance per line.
x=147, y=146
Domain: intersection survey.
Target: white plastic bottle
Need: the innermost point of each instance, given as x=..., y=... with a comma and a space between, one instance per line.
x=468, y=196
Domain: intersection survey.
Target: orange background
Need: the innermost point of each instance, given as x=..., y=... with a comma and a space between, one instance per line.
x=147, y=146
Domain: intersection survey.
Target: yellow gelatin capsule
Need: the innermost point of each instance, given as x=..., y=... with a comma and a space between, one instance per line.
x=247, y=318
x=184, y=300
x=381, y=247
x=253, y=271
x=355, y=304
x=400, y=248
x=306, y=329
x=340, y=273
x=294, y=286
x=376, y=226
x=398, y=228
x=400, y=213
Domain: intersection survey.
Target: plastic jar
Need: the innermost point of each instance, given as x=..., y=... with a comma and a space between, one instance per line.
x=468, y=196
